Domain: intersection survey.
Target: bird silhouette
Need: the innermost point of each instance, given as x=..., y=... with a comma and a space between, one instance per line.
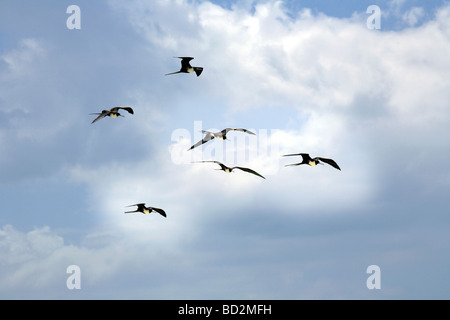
x=186, y=67
x=146, y=210
x=221, y=135
x=113, y=113
x=312, y=161
x=230, y=169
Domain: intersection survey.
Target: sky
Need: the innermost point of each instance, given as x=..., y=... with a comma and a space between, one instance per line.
x=317, y=77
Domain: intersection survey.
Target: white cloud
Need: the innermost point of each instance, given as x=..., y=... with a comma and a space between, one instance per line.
x=413, y=16
x=25, y=257
x=38, y=259
x=21, y=60
x=20, y=248
x=359, y=93
x=316, y=64
x=18, y=67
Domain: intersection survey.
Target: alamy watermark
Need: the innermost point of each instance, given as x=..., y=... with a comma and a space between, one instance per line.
x=74, y=280
x=74, y=20
x=374, y=20
x=374, y=280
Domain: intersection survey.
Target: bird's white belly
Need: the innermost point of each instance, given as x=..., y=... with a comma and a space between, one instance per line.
x=113, y=115
x=146, y=211
x=312, y=163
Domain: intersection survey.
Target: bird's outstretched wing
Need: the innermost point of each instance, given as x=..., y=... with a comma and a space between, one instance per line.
x=305, y=158
x=185, y=66
x=304, y=155
x=173, y=73
x=185, y=59
x=137, y=204
x=219, y=163
x=249, y=171
x=130, y=110
x=331, y=162
x=160, y=211
x=211, y=161
x=207, y=138
x=139, y=207
x=101, y=115
x=198, y=70
x=226, y=130
x=185, y=62
x=294, y=164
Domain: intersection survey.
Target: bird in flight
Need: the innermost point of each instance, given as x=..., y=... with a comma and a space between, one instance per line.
x=113, y=113
x=146, y=210
x=221, y=135
x=312, y=161
x=230, y=169
x=186, y=67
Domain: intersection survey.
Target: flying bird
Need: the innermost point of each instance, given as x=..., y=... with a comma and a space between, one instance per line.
x=230, y=169
x=146, y=210
x=186, y=67
x=312, y=161
x=113, y=113
x=221, y=135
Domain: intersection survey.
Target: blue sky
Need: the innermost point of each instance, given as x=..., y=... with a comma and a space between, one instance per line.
x=305, y=76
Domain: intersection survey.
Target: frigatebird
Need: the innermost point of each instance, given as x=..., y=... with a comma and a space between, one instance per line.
x=221, y=135
x=146, y=210
x=113, y=113
x=186, y=67
x=312, y=161
x=230, y=169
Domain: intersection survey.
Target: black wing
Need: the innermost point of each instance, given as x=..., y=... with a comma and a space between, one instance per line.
x=139, y=206
x=294, y=164
x=207, y=138
x=219, y=163
x=305, y=160
x=185, y=62
x=173, y=73
x=331, y=162
x=212, y=161
x=130, y=110
x=249, y=170
x=101, y=115
x=225, y=131
x=305, y=156
x=160, y=211
x=198, y=70
x=184, y=66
